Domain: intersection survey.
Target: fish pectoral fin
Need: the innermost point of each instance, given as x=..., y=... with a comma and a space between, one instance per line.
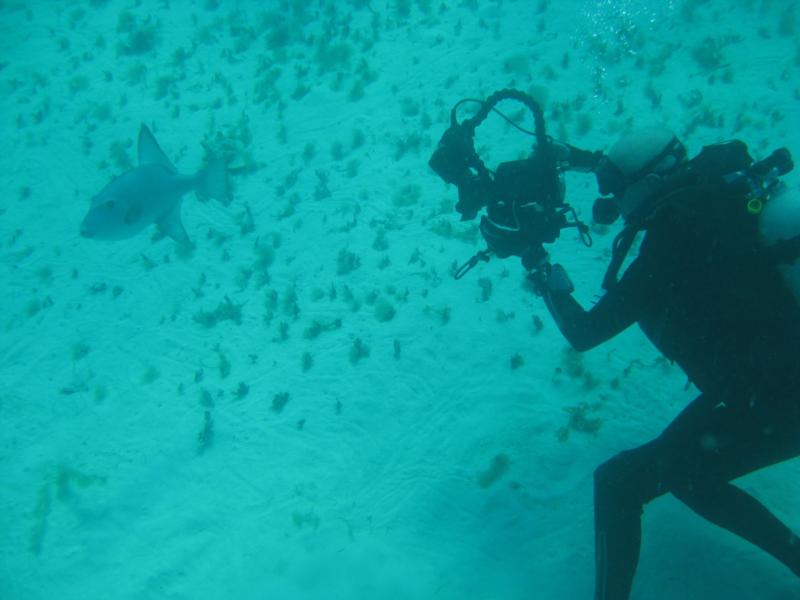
x=172, y=226
x=150, y=152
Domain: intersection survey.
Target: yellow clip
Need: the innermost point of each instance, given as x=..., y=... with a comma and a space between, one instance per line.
x=755, y=206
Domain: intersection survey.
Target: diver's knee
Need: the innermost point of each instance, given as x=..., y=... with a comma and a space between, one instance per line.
x=613, y=476
x=623, y=480
x=616, y=469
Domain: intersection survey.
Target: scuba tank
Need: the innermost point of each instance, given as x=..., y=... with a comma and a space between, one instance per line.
x=780, y=221
x=777, y=212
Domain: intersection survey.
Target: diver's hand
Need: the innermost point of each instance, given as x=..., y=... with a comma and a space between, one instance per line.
x=551, y=278
x=576, y=159
x=561, y=151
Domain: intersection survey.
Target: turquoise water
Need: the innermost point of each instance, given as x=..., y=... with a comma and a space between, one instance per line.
x=306, y=404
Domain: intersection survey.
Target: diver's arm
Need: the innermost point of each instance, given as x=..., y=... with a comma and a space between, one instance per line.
x=616, y=311
x=585, y=329
x=575, y=159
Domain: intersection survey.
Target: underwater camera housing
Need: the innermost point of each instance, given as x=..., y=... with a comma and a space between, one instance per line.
x=524, y=199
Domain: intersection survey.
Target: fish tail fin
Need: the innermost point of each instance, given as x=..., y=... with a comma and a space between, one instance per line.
x=213, y=181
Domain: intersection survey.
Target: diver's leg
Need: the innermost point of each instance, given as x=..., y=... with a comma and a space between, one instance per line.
x=732, y=440
x=622, y=486
x=706, y=446
x=731, y=508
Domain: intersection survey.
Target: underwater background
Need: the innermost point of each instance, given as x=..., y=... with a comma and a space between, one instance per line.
x=307, y=404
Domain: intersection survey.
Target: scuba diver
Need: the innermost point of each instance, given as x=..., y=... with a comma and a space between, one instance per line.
x=707, y=292
x=711, y=299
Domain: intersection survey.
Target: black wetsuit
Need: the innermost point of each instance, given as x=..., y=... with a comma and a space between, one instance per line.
x=708, y=297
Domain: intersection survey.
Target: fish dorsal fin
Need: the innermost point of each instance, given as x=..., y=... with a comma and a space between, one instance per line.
x=171, y=225
x=150, y=152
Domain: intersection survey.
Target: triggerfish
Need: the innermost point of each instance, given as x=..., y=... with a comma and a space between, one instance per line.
x=150, y=194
